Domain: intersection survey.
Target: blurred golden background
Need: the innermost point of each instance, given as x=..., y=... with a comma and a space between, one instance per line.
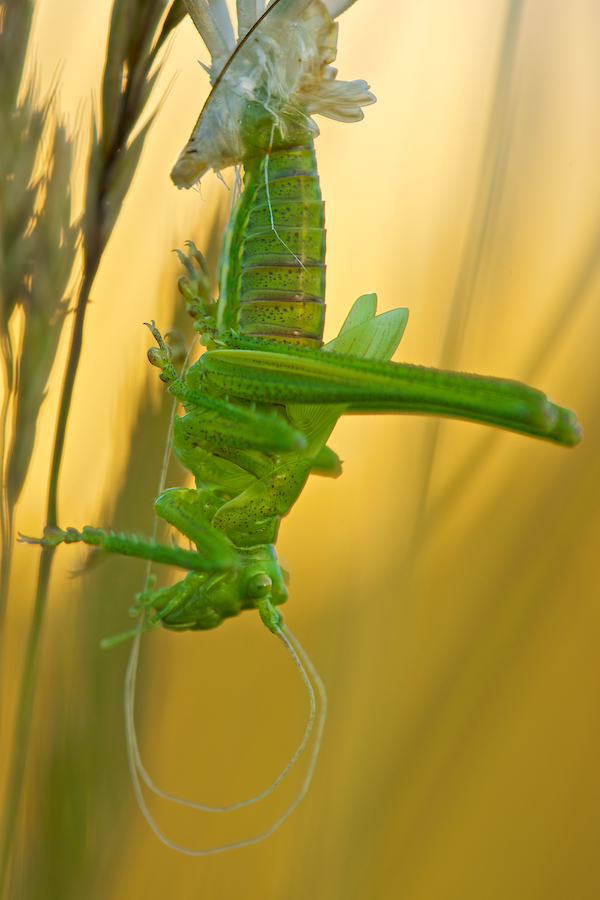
x=446, y=586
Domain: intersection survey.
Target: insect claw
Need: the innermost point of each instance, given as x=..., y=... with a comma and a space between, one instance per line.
x=185, y=261
x=25, y=539
x=134, y=609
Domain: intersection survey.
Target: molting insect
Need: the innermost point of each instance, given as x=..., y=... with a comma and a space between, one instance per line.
x=262, y=400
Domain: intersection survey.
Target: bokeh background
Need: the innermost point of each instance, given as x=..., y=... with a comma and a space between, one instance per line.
x=446, y=586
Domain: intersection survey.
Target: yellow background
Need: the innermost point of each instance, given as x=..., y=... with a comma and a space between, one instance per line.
x=446, y=586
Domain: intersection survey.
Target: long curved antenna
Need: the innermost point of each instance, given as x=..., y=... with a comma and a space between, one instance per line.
x=132, y=740
x=290, y=642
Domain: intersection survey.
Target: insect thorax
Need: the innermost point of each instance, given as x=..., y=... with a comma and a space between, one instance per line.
x=275, y=283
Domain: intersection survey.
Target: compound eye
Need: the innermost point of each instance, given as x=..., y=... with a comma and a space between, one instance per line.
x=259, y=586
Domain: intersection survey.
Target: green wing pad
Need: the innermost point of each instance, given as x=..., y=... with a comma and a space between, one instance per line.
x=362, y=334
x=361, y=311
x=377, y=338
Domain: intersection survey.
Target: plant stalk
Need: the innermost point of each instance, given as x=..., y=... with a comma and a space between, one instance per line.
x=27, y=693
x=23, y=723
x=131, y=53
x=6, y=520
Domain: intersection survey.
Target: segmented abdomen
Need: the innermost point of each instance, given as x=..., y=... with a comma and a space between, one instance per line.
x=276, y=279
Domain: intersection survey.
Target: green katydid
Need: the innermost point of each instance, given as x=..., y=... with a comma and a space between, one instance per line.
x=261, y=402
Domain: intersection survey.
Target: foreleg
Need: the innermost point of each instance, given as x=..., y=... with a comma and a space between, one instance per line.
x=182, y=606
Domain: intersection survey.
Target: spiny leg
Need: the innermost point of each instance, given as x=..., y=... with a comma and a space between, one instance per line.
x=254, y=370
x=140, y=548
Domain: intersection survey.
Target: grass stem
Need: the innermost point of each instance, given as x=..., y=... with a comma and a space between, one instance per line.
x=137, y=33
x=23, y=723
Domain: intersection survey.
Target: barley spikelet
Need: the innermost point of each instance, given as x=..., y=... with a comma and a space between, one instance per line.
x=37, y=252
x=37, y=247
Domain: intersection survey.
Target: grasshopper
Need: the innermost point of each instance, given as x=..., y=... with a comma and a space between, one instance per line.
x=261, y=402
